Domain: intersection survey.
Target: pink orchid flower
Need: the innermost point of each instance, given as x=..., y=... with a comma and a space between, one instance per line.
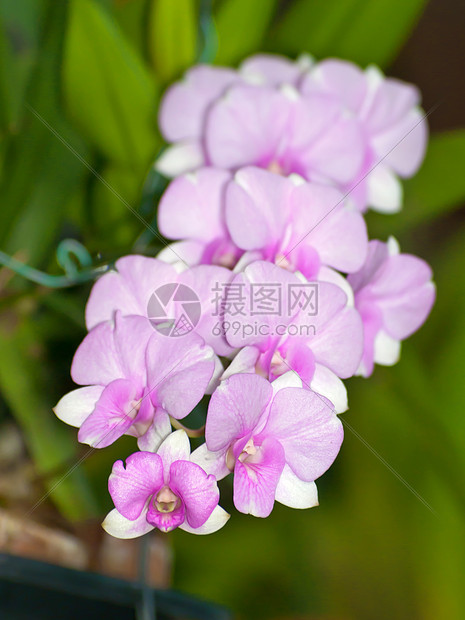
x=394, y=125
x=277, y=438
x=394, y=294
x=134, y=377
x=299, y=225
x=185, y=105
x=165, y=490
x=295, y=325
x=285, y=132
x=257, y=116
x=132, y=285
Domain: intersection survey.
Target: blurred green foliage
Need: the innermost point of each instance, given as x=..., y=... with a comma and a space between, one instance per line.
x=365, y=32
x=79, y=86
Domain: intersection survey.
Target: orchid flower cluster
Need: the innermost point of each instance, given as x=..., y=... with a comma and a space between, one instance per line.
x=269, y=296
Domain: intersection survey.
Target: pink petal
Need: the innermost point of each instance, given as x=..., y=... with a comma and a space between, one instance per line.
x=337, y=77
x=131, y=335
x=405, y=294
x=308, y=430
x=335, y=331
x=270, y=69
x=184, y=105
x=377, y=253
x=339, y=346
x=128, y=289
x=235, y=409
x=198, y=491
x=311, y=119
x=209, y=281
x=96, y=360
x=259, y=198
x=131, y=487
x=177, y=366
x=113, y=415
x=192, y=206
x=403, y=146
x=296, y=356
x=338, y=154
x=372, y=323
x=265, y=304
x=246, y=126
x=324, y=222
x=256, y=479
x=391, y=102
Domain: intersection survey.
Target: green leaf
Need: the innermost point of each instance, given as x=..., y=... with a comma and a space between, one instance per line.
x=438, y=187
x=41, y=217
x=132, y=19
x=364, y=31
x=33, y=211
x=108, y=90
x=7, y=81
x=116, y=227
x=241, y=26
x=172, y=36
x=51, y=446
x=21, y=28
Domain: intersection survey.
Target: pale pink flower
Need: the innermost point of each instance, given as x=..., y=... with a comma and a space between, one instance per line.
x=185, y=105
x=394, y=126
x=130, y=287
x=277, y=439
x=308, y=327
x=257, y=116
x=134, y=380
x=394, y=294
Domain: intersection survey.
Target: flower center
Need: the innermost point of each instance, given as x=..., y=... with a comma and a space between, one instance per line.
x=278, y=366
x=133, y=408
x=281, y=260
x=248, y=450
x=275, y=167
x=166, y=501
